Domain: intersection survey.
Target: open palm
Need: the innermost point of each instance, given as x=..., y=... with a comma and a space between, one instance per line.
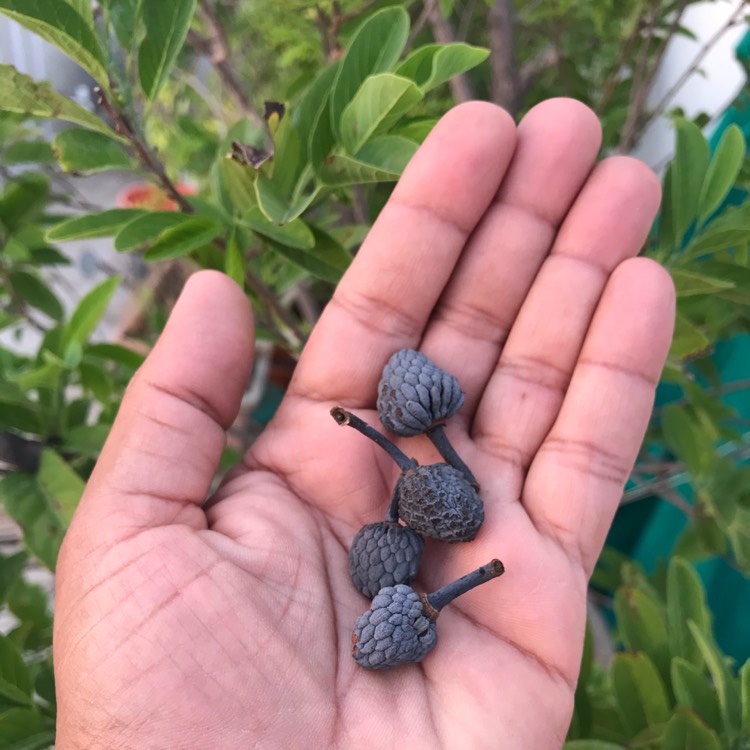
x=507, y=257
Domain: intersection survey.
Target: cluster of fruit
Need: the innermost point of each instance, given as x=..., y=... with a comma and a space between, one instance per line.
x=439, y=500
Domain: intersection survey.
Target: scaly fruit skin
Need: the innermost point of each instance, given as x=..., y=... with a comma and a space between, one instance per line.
x=395, y=630
x=384, y=554
x=414, y=394
x=438, y=501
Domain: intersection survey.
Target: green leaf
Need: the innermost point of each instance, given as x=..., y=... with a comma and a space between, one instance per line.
x=665, y=220
x=275, y=207
x=45, y=375
x=416, y=130
x=640, y=692
x=327, y=260
x=582, y=712
x=15, y=680
x=146, y=227
x=24, y=729
x=124, y=16
x=724, y=683
x=390, y=153
x=24, y=201
x=342, y=170
x=29, y=507
x=745, y=694
x=688, y=340
x=238, y=180
x=11, y=569
x=378, y=104
x=685, y=731
x=446, y=7
x=288, y=164
x=182, y=239
x=36, y=293
x=24, y=418
x=728, y=230
x=102, y=224
x=60, y=24
x=592, y=745
x=686, y=601
x=434, y=64
x=26, y=152
x=722, y=171
x=20, y=93
x=166, y=27
x=375, y=48
x=642, y=625
x=115, y=353
x=234, y=260
x=294, y=234
x=686, y=438
x=10, y=393
x=61, y=484
x=312, y=116
x=87, y=440
x=88, y=152
x=689, y=169
x=693, y=690
x=89, y=311
x=96, y=381
x=691, y=283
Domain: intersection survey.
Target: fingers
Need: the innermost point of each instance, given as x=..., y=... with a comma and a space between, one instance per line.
x=558, y=142
x=608, y=223
x=165, y=445
x=386, y=297
x=576, y=480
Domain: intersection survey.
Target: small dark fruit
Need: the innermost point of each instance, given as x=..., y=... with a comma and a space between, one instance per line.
x=384, y=554
x=399, y=628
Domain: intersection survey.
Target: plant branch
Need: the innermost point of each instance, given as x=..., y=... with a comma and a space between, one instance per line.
x=293, y=335
x=640, y=85
x=505, y=74
x=610, y=83
x=464, y=22
x=549, y=57
x=643, y=123
x=147, y=159
x=216, y=49
x=733, y=386
x=733, y=20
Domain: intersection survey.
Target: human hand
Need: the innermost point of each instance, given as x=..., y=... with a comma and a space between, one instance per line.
x=507, y=257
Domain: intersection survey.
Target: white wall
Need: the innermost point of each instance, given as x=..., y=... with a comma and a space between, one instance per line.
x=35, y=57
x=710, y=92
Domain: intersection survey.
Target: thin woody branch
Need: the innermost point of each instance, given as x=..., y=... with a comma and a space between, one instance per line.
x=640, y=86
x=733, y=20
x=293, y=334
x=505, y=74
x=147, y=159
x=549, y=57
x=216, y=49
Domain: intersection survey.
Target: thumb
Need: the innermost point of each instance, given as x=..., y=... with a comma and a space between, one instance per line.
x=162, y=453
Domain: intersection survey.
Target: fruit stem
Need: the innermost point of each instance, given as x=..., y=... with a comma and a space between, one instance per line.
x=438, y=599
x=344, y=417
x=392, y=515
x=436, y=433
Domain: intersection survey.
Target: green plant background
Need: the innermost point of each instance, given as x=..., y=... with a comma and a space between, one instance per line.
x=284, y=195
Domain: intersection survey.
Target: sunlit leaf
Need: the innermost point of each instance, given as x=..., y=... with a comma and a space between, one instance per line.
x=20, y=93
x=166, y=25
x=62, y=25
